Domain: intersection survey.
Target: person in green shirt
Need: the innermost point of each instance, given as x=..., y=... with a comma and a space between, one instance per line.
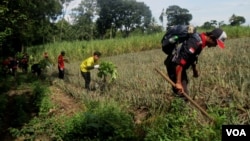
x=87, y=65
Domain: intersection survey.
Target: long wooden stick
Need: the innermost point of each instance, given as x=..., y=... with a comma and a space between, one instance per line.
x=190, y=99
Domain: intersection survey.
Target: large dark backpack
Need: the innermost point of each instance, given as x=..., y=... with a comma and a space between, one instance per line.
x=178, y=33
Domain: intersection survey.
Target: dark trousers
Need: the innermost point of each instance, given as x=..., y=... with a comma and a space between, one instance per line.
x=171, y=69
x=36, y=69
x=86, y=76
x=25, y=67
x=61, y=73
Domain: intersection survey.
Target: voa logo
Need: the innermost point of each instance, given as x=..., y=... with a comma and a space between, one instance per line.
x=236, y=132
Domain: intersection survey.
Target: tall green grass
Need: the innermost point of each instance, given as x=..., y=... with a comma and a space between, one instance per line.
x=78, y=50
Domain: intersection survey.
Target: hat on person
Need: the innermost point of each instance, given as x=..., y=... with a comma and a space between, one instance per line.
x=220, y=37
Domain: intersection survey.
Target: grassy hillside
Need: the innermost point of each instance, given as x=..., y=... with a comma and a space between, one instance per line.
x=139, y=104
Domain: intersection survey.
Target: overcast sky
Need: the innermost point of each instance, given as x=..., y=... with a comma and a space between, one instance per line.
x=201, y=10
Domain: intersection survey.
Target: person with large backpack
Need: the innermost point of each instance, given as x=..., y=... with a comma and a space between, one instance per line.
x=176, y=35
x=181, y=58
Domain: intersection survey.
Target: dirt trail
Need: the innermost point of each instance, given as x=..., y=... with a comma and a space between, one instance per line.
x=64, y=103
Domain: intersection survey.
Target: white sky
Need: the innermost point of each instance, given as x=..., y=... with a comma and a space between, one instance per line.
x=201, y=10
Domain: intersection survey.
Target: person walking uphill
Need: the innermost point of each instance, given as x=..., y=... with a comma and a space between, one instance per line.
x=187, y=55
x=87, y=65
x=61, y=66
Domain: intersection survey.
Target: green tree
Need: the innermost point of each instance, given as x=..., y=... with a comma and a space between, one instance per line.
x=221, y=23
x=236, y=20
x=178, y=15
x=213, y=22
x=122, y=15
x=207, y=25
x=25, y=22
x=106, y=14
x=134, y=15
x=83, y=17
x=63, y=31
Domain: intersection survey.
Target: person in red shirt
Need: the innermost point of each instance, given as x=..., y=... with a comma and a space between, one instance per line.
x=187, y=55
x=61, y=66
x=5, y=66
x=13, y=65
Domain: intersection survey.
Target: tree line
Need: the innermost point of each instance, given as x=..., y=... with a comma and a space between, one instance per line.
x=177, y=15
x=31, y=22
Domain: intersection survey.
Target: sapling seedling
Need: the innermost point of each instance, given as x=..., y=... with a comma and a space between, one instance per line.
x=107, y=69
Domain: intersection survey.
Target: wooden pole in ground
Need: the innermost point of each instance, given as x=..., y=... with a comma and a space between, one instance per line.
x=190, y=99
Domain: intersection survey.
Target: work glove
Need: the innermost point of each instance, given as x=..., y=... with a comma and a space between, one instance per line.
x=96, y=66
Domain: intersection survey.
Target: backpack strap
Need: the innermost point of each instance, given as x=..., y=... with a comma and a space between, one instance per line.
x=196, y=36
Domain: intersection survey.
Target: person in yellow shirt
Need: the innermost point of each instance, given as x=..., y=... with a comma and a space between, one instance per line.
x=87, y=65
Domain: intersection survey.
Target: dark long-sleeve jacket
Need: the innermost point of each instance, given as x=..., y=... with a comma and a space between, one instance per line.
x=189, y=51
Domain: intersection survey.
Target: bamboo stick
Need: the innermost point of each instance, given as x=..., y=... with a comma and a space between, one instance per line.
x=190, y=99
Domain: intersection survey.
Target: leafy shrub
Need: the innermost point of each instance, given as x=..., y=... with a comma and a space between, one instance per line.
x=20, y=108
x=103, y=122
x=38, y=125
x=3, y=104
x=107, y=69
x=40, y=98
x=5, y=85
x=178, y=124
x=108, y=73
